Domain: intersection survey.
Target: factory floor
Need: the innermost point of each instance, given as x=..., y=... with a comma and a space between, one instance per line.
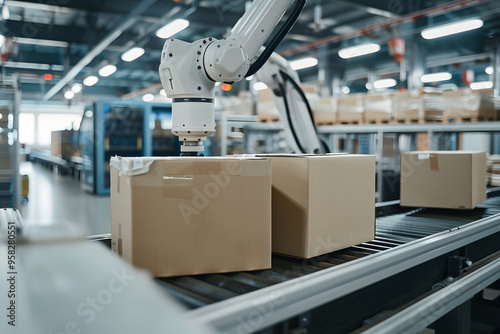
x=56, y=199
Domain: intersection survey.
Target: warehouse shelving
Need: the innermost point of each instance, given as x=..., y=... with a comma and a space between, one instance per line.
x=433, y=130
x=124, y=128
x=10, y=181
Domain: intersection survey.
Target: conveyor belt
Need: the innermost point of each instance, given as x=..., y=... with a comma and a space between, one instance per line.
x=391, y=231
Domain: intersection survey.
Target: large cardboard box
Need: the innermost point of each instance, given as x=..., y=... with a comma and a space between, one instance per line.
x=322, y=203
x=443, y=179
x=185, y=216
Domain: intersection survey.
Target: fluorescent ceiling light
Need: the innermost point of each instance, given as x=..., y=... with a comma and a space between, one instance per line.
x=172, y=28
x=5, y=12
x=303, y=63
x=435, y=77
x=43, y=42
x=31, y=66
x=132, y=54
x=148, y=97
x=163, y=93
x=90, y=80
x=358, y=50
x=57, y=67
x=76, y=88
x=346, y=90
x=489, y=70
x=259, y=86
x=450, y=29
x=107, y=70
x=69, y=95
x=384, y=83
x=481, y=85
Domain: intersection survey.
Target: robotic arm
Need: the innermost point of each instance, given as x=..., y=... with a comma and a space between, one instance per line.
x=189, y=71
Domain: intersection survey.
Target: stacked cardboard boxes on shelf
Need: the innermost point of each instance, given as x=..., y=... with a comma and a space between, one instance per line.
x=379, y=108
x=324, y=110
x=408, y=106
x=61, y=143
x=237, y=105
x=266, y=108
x=350, y=109
x=469, y=104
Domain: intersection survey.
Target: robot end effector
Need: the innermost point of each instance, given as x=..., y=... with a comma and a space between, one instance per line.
x=188, y=71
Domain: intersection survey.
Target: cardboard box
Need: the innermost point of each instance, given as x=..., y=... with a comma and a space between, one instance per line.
x=322, y=203
x=408, y=105
x=467, y=103
x=61, y=143
x=324, y=110
x=378, y=107
x=186, y=216
x=265, y=104
x=443, y=179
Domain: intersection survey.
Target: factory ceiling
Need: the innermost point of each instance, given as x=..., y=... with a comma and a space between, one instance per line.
x=61, y=42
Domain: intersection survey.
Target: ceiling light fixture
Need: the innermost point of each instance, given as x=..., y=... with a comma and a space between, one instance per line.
x=435, y=77
x=90, y=80
x=481, y=85
x=107, y=70
x=172, y=28
x=358, y=50
x=489, y=70
x=259, y=86
x=76, y=88
x=384, y=83
x=5, y=12
x=69, y=95
x=132, y=54
x=303, y=63
x=148, y=97
x=451, y=29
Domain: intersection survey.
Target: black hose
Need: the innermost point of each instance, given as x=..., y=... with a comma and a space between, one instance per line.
x=287, y=77
x=276, y=40
x=289, y=116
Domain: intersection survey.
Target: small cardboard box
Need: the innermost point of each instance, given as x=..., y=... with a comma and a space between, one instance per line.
x=322, y=203
x=443, y=179
x=186, y=216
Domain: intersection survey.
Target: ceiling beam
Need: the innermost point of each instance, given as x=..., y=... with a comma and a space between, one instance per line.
x=125, y=24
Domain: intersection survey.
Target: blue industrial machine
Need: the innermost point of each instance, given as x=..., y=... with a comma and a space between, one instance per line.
x=124, y=128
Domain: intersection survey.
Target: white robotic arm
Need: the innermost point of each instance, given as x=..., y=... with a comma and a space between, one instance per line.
x=292, y=104
x=188, y=71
